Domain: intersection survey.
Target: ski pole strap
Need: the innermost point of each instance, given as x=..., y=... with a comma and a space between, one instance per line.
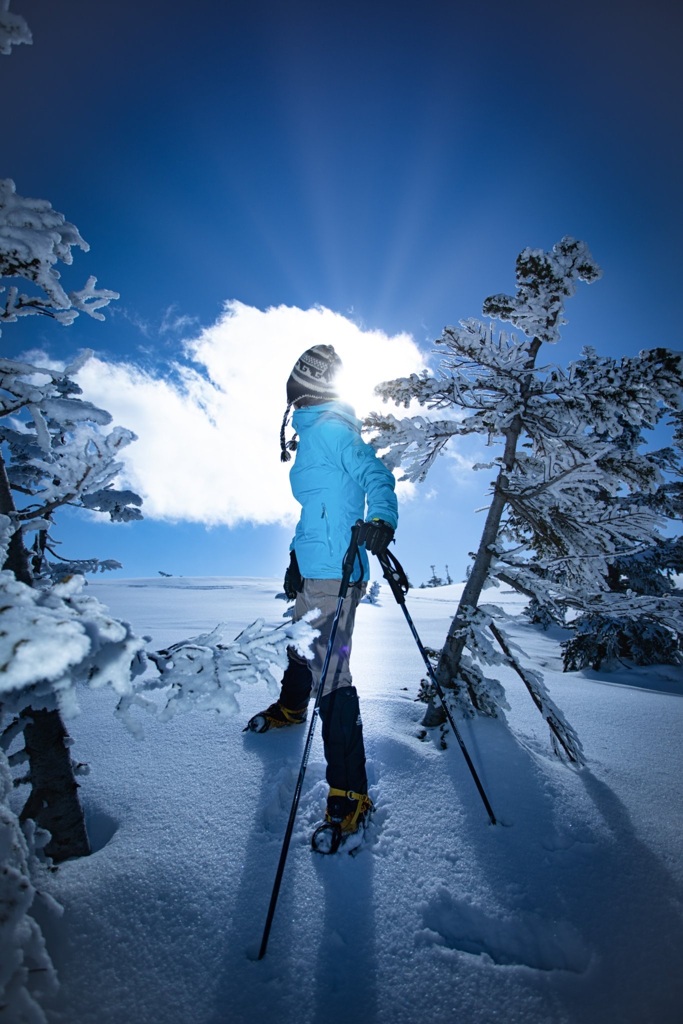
x=395, y=575
x=352, y=553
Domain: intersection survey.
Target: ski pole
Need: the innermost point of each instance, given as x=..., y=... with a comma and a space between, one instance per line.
x=395, y=576
x=347, y=570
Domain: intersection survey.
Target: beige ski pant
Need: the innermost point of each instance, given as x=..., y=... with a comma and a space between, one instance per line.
x=324, y=595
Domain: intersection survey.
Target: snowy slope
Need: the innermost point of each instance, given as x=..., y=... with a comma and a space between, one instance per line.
x=570, y=910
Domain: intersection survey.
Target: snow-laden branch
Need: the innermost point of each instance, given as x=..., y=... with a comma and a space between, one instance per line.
x=52, y=641
x=615, y=627
x=573, y=414
x=544, y=281
x=413, y=442
x=84, y=468
x=25, y=384
x=55, y=447
x=13, y=29
x=34, y=238
x=207, y=671
x=564, y=739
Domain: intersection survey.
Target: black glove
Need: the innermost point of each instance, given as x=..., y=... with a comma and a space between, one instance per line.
x=376, y=535
x=294, y=581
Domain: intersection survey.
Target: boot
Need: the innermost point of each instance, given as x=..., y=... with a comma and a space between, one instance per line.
x=276, y=717
x=292, y=706
x=347, y=814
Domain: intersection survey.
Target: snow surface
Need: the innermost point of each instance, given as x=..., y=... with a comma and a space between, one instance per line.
x=569, y=911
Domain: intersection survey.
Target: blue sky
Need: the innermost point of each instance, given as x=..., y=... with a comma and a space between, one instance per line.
x=385, y=162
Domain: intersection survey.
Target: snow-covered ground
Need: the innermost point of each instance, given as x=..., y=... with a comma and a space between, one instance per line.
x=570, y=910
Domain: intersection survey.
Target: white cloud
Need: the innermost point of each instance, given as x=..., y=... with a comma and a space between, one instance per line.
x=208, y=434
x=174, y=322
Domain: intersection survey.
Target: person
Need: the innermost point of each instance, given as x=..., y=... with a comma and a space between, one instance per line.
x=337, y=479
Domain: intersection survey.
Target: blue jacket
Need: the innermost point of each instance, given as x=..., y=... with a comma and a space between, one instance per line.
x=333, y=473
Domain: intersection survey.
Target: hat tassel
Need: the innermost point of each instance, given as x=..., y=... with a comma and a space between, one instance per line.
x=287, y=446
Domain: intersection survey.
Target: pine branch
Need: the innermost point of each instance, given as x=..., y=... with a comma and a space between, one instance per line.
x=562, y=733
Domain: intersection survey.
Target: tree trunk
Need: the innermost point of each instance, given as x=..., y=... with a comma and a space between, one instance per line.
x=53, y=802
x=17, y=556
x=448, y=668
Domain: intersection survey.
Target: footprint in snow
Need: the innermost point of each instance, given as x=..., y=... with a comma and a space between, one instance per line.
x=280, y=793
x=518, y=939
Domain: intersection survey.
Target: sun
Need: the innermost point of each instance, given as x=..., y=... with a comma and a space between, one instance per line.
x=357, y=390
x=369, y=361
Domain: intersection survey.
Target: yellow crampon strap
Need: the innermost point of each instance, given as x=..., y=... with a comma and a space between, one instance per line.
x=292, y=716
x=348, y=793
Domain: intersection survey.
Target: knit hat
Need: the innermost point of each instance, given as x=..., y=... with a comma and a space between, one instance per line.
x=312, y=377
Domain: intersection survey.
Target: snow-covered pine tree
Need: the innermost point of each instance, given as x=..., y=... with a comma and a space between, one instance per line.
x=643, y=624
x=33, y=238
x=53, y=451
x=434, y=580
x=553, y=527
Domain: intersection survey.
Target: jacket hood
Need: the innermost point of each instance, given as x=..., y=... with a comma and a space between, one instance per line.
x=310, y=414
